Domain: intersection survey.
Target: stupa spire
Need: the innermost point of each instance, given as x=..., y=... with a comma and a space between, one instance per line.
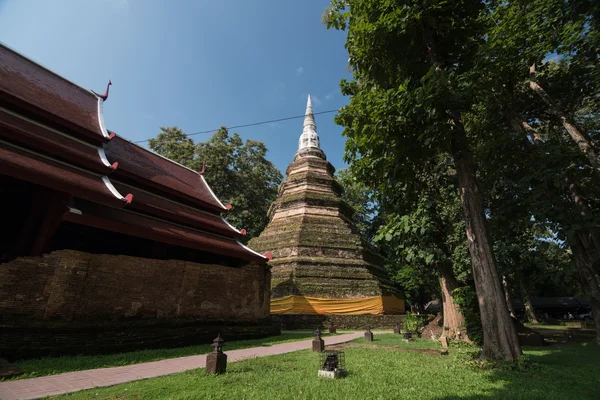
x=309, y=118
x=309, y=137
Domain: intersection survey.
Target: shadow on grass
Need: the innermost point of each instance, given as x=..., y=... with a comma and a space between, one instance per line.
x=565, y=371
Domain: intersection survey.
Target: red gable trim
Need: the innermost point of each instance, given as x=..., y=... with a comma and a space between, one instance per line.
x=42, y=138
x=44, y=171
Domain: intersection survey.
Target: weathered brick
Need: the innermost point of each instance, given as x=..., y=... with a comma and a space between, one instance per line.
x=76, y=289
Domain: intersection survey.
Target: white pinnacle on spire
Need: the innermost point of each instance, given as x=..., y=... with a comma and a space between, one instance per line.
x=309, y=137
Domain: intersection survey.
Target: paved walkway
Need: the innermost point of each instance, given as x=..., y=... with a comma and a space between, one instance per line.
x=35, y=388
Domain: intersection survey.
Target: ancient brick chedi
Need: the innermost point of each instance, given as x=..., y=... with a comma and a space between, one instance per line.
x=320, y=263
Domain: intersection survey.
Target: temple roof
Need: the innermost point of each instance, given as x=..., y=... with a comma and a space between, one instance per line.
x=155, y=172
x=52, y=134
x=35, y=90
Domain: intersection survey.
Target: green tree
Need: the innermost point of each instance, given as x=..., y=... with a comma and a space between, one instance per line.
x=172, y=143
x=363, y=200
x=424, y=231
x=238, y=172
x=553, y=157
x=418, y=281
x=411, y=61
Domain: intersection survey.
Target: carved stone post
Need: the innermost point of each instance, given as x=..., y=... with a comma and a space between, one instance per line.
x=216, y=362
x=369, y=335
x=332, y=328
x=318, y=344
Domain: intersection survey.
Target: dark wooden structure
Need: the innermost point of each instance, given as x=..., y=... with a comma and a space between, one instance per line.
x=84, y=207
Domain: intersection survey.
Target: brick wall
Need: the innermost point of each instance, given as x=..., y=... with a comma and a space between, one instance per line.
x=74, y=302
x=71, y=285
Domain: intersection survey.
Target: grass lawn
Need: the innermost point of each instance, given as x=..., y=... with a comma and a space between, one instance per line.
x=57, y=365
x=560, y=372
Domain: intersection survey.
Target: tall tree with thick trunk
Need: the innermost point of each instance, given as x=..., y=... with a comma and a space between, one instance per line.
x=583, y=242
x=454, y=319
x=558, y=162
x=409, y=60
x=500, y=343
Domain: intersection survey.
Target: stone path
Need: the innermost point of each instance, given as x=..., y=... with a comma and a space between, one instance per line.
x=35, y=388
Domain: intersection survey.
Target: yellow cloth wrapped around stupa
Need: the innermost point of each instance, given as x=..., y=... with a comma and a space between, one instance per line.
x=358, y=306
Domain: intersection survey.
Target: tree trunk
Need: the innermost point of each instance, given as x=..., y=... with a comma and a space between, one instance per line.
x=590, y=281
x=454, y=319
x=529, y=311
x=520, y=125
x=580, y=138
x=588, y=242
x=591, y=241
x=507, y=296
x=500, y=340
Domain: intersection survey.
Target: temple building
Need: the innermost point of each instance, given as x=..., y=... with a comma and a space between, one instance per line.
x=320, y=263
x=106, y=246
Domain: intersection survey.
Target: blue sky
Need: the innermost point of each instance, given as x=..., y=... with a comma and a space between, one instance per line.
x=193, y=63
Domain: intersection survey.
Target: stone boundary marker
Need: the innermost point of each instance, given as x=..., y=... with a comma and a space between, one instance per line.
x=69, y=382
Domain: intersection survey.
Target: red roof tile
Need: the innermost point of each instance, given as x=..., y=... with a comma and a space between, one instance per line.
x=167, y=209
x=134, y=224
x=153, y=172
x=39, y=90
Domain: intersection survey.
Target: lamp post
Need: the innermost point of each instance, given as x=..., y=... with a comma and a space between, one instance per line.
x=318, y=344
x=216, y=362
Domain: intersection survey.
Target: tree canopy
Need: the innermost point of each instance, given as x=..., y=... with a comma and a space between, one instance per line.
x=479, y=118
x=238, y=172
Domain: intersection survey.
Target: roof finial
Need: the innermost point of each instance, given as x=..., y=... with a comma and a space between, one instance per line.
x=105, y=95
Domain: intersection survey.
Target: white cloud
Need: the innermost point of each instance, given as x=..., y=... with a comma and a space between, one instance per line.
x=299, y=70
x=330, y=95
x=315, y=100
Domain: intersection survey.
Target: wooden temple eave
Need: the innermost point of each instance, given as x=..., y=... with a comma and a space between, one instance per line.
x=154, y=173
x=144, y=226
x=45, y=171
x=37, y=91
x=44, y=139
x=165, y=208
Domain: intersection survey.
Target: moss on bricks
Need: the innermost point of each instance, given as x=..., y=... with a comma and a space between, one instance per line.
x=318, y=255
